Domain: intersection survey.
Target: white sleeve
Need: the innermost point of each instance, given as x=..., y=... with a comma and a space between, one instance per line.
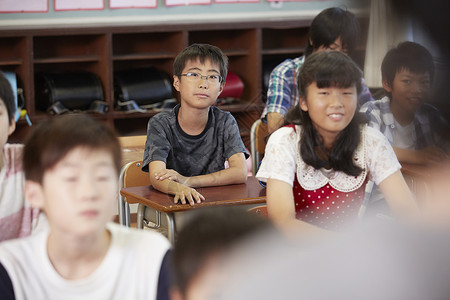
x=279, y=160
x=381, y=159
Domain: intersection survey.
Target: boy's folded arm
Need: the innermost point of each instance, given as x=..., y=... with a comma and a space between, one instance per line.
x=235, y=174
x=181, y=192
x=424, y=156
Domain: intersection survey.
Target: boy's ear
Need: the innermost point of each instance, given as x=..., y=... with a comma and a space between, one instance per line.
x=12, y=127
x=386, y=86
x=176, y=82
x=222, y=85
x=302, y=103
x=34, y=194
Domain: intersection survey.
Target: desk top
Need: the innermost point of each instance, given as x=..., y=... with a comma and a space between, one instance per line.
x=237, y=194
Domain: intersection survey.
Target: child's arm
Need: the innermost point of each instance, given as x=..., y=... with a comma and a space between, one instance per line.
x=398, y=195
x=281, y=209
x=428, y=155
x=169, y=185
x=274, y=121
x=235, y=174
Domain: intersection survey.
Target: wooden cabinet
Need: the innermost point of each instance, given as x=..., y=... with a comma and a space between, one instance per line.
x=253, y=48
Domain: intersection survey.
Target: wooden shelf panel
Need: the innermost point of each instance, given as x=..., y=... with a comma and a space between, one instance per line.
x=277, y=51
x=145, y=56
x=132, y=115
x=233, y=108
x=236, y=52
x=67, y=59
x=11, y=62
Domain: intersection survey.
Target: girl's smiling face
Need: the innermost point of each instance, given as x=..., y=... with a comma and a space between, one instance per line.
x=331, y=109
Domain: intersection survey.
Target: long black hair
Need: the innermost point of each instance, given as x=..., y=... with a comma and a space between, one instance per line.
x=328, y=69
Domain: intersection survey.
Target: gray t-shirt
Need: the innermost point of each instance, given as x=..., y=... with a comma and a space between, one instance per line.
x=192, y=155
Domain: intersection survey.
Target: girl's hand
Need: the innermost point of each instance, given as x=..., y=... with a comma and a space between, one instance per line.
x=187, y=194
x=171, y=175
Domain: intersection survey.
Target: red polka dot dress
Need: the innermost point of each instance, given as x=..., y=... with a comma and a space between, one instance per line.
x=326, y=198
x=327, y=207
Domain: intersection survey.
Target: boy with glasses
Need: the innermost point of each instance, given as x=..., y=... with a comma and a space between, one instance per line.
x=187, y=147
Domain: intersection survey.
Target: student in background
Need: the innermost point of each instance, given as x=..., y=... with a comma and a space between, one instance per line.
x=204, y=243
x=16, y=216
x=416, y=129
x=72, y=165
x=317, y=169
x=187, y=147
x=332, y=29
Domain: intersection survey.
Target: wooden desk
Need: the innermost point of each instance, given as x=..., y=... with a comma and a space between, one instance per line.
x=238, y=194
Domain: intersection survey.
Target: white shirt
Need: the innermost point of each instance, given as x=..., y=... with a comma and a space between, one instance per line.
x=129, y=270
x=282, y=160
x=404, y=137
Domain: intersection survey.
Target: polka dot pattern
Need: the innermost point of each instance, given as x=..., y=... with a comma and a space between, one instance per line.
x=327, y=207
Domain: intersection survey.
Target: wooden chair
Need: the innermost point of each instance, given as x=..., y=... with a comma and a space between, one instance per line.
x=258, y=136
x=130, y=175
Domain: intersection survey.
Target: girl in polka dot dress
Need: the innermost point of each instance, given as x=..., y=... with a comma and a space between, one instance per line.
x=316, y=168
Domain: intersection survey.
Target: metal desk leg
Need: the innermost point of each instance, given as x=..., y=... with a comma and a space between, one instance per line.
x=121, y=210
x=127, y=215
x=170, y=228
x=140, y=216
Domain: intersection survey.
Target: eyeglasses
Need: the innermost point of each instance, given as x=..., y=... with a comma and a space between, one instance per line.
x=192, y=76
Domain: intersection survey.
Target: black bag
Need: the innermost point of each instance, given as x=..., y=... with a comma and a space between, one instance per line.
x=146, y=87
x=69, y=91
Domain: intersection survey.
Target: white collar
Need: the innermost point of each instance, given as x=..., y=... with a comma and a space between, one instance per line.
x=312, y=179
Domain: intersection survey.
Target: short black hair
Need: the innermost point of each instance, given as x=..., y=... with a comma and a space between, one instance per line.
x=409, y=56
x=330, y=24
x=52, y=139
x=211, y=231
x=7, y=96
x=202, y=52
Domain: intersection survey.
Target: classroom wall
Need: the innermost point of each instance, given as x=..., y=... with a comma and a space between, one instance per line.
x=212, y=12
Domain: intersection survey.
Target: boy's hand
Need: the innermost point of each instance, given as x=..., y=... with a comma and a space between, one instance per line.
x=171, y=175
x=187, y=194
x=432, y=155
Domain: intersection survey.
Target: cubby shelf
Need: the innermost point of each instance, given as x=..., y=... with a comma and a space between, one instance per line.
x=253, y=49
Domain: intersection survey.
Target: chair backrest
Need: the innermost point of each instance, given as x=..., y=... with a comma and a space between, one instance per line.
x=132, y=141
x=262, y=134
x=259, y=210
x=258, y=137
x=134, y=176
